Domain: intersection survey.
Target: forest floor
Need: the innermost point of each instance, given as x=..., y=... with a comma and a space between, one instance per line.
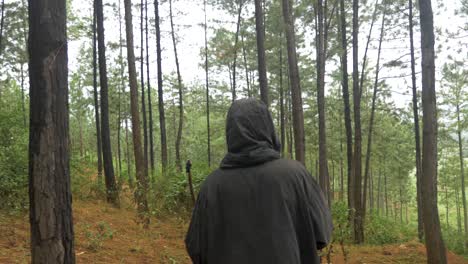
x=104, y=234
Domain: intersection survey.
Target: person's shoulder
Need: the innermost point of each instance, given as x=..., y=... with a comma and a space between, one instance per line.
x=287, y=164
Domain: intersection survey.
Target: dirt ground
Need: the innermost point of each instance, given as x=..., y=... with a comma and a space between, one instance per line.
x=104, y=234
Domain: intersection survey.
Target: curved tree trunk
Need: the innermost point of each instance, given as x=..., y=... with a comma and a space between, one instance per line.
x=180, y=86
x=141, y=170
x=372, y=116
x=111, y=186
x=50, y=200
x=434, y=242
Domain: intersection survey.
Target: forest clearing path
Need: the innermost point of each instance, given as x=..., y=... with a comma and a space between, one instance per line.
x=104, y=234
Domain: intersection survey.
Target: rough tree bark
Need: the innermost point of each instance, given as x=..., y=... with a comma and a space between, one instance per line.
x=180, y=88
x=141, y=171
x=111, y=186
x=297, y=111
x=262, y=72
x=416, y=126
x=434, y=243
x=50, y=201
x=162, y=117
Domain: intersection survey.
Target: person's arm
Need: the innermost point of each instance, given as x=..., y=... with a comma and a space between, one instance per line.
x=194, y=240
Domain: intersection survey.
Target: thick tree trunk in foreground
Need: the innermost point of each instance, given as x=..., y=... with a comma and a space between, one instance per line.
x=262, y=72
x=358, y=216
x=109, y=177
x=96, y=103
x=141, y=172
x=180, y=86
x=416, y=126
x=50, y=201
x=162, y=117
x=347, y=109
x=434, y=243
x=296, y=94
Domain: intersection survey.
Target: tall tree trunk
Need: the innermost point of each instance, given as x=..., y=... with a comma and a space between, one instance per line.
x=50, y=212
x=244, y=55
x=142, y=83
x=281, y=95
x=111, y=187
x=150, y=102
x=416, y=126
x=260, y=29
x=347, y=109
x=96, y=102
x=434, y=242
x=141, y=170
x=180, y=86
x=236, y=41
x=320, y=51
x=207, y=89
x=297, y=111
x=372, y=116
x=162, y=117
x=462, y=173
x=358, y=217
x=385, y=194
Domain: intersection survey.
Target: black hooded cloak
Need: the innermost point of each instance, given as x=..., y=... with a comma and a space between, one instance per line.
x=257, y=208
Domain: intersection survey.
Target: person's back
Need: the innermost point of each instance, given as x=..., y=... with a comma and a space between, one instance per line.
x=257, y=208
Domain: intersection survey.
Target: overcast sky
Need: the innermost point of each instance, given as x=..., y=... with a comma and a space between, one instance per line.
x=189, y=17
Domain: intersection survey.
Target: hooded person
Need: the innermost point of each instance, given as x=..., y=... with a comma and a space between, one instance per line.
x=257, y=208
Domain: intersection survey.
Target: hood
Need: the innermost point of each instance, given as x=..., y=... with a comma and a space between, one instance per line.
x=250, y=135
